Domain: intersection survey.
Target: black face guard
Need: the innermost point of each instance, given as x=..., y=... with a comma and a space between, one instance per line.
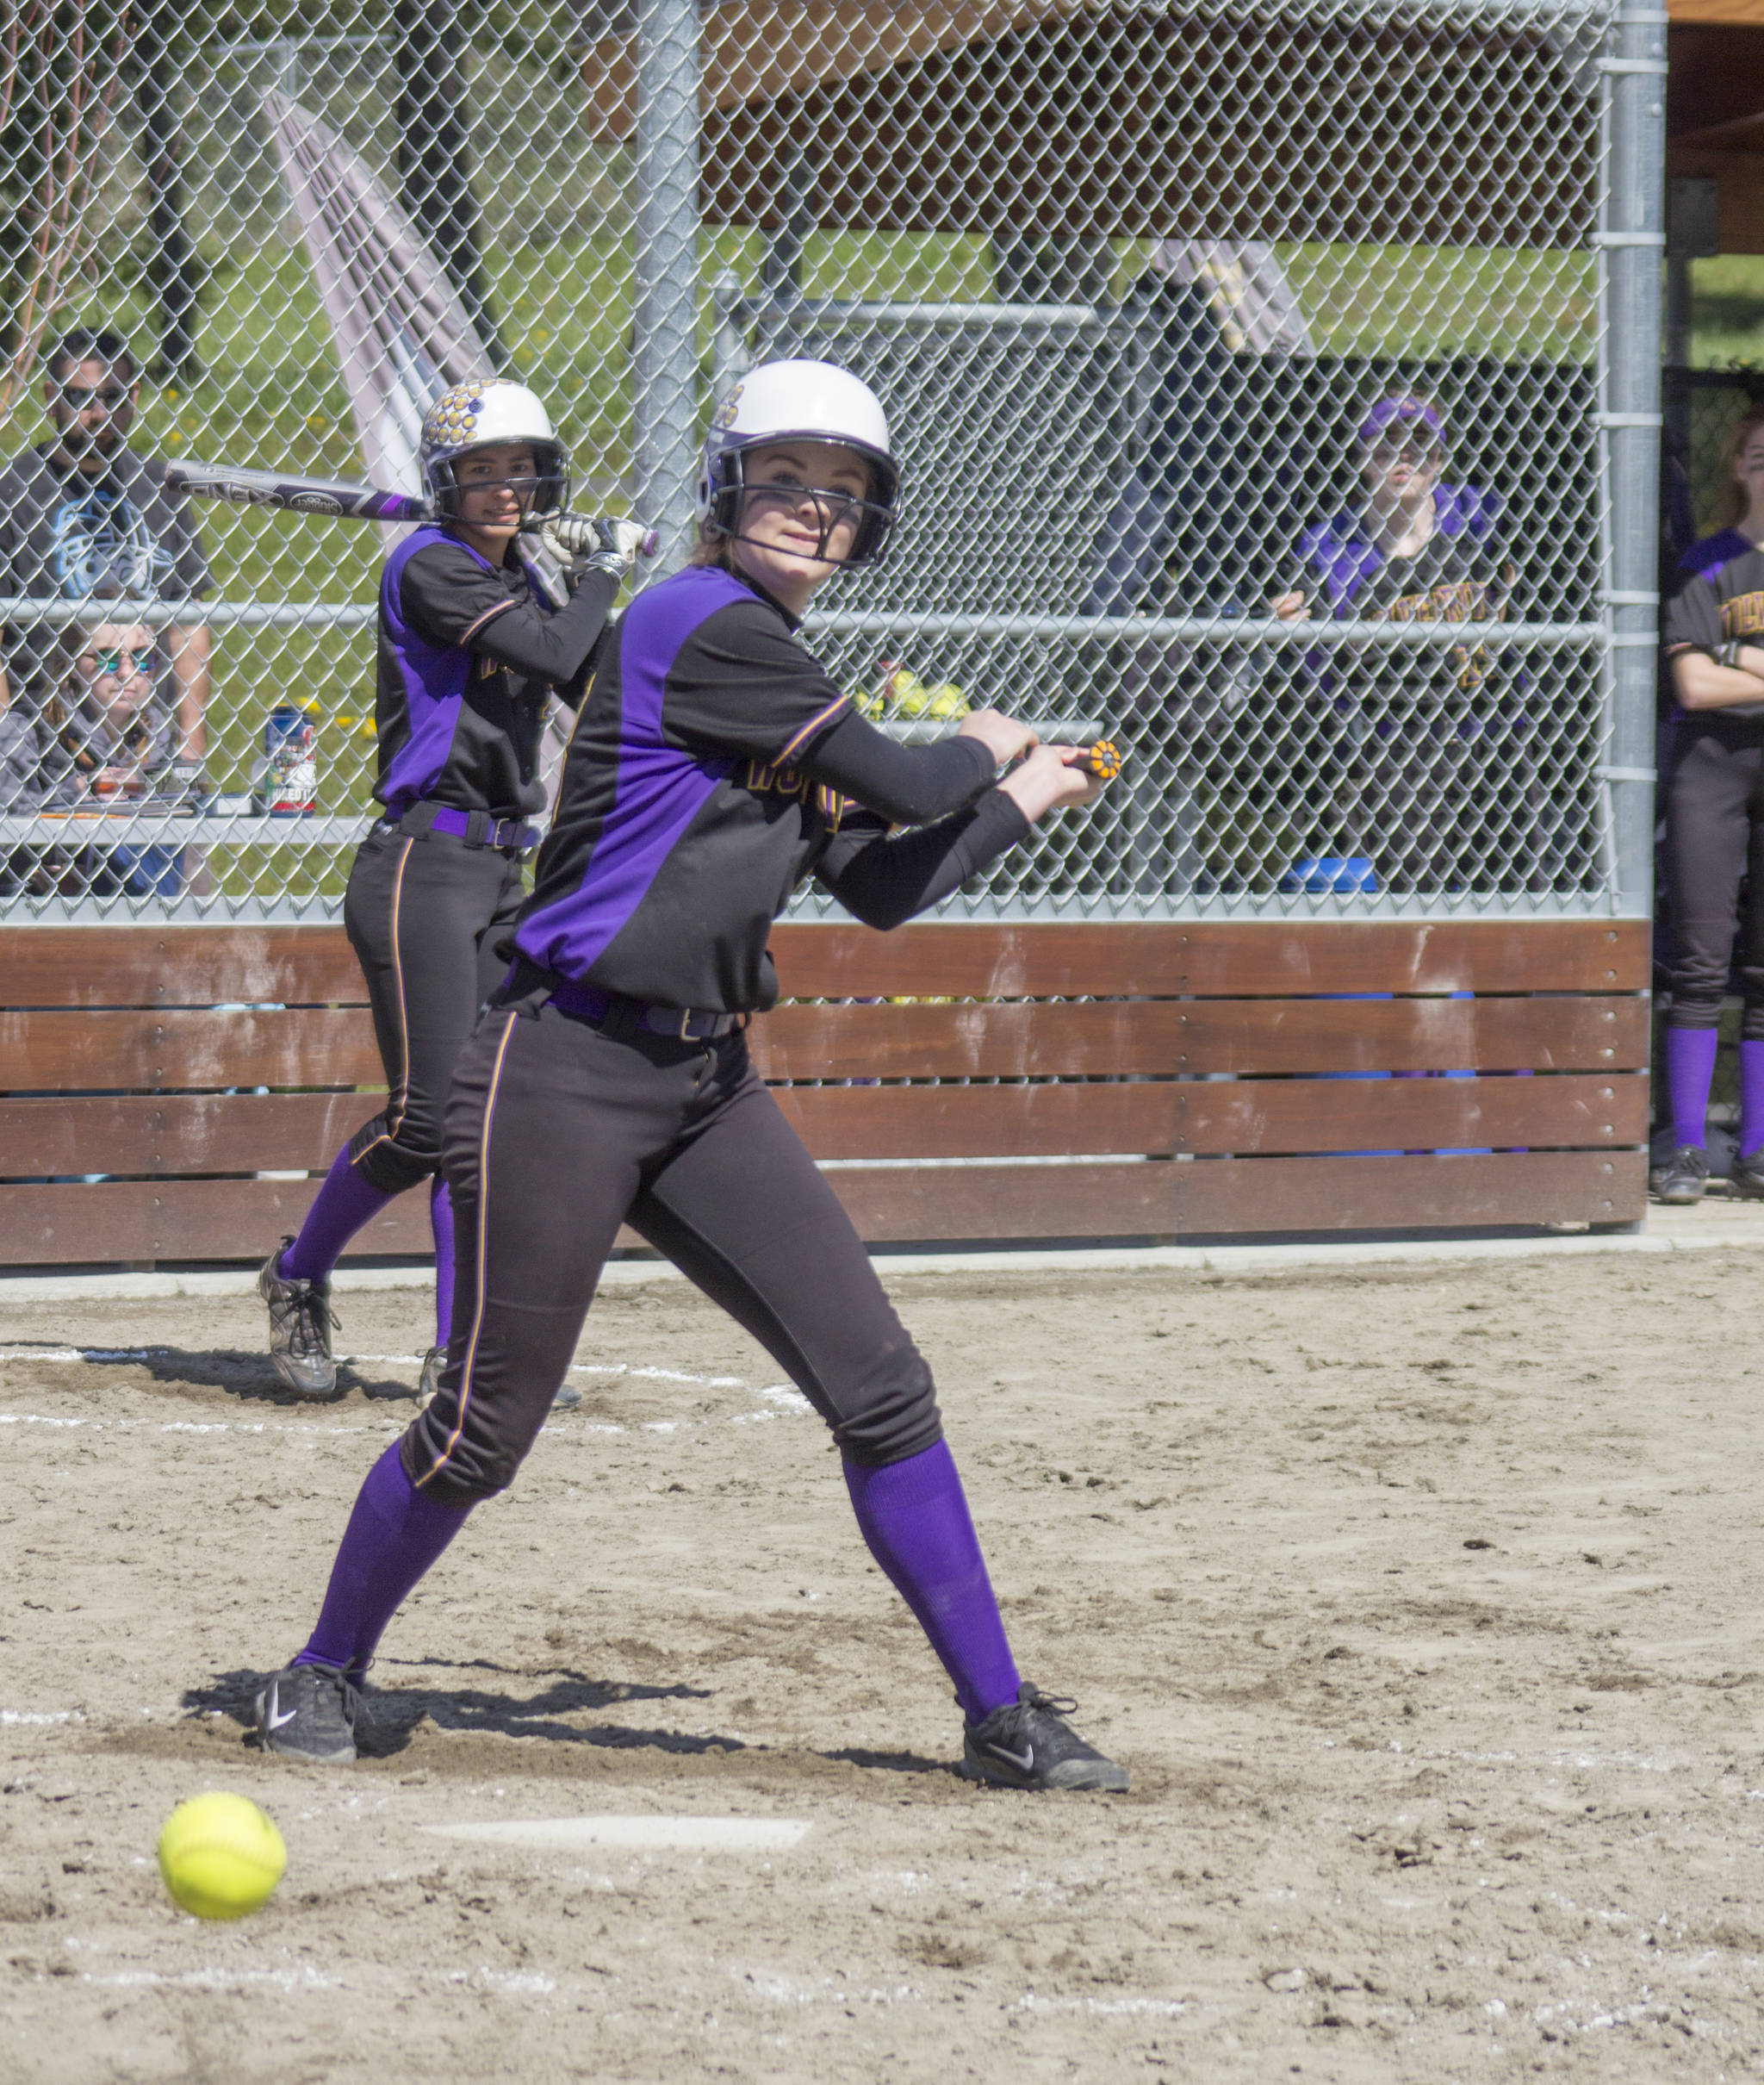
x=549, y=487
x=875, y=518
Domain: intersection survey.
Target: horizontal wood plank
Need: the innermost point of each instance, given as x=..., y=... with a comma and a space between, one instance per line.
x=314, y=966
x=178, y=966
x=1246, y=1118
x=1225, y=958
x=1152, y=1037
x=236, y=1133
x=61, y=1051
x=100, y=1050
x=189, y=1133
x=178, y=1220
x=1222, y=1196
x=235, y=1220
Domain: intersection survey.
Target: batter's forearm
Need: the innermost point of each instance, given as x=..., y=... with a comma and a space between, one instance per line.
x=889, y=882
x=908, y=785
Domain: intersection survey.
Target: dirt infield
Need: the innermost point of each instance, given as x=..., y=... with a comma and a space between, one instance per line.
x=1424, y=1604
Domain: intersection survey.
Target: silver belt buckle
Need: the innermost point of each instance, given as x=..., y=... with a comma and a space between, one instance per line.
x=686, y=1015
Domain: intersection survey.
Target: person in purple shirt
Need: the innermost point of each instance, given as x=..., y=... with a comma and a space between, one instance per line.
x=714, y=766
x=1429, y=777
x=477, y=629
x=1714, y=641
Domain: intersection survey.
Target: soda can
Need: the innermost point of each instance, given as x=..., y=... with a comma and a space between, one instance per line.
x=287, y=776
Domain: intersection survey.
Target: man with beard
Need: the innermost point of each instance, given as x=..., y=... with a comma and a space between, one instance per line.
x=82, y=517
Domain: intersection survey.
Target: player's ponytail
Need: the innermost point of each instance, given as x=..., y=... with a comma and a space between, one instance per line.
x=1731, y=502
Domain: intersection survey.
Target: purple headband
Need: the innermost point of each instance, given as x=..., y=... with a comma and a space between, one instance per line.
x=1410, y=410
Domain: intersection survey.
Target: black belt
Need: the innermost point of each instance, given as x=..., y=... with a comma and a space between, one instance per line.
x=613, y=1009
x=475, y=828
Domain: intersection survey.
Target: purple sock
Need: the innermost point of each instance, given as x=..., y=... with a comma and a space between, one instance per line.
x=1751, y=1097
x=915, y=1518
x=393, y=1534
x=1690, y=1065
x=339, y=1209
x=441, y=1223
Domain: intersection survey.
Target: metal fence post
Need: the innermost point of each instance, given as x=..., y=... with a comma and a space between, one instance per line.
x=1631, y=243
x=664, y=358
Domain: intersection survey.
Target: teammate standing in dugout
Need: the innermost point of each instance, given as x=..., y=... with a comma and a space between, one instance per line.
x=713, y=767
x=469, y=655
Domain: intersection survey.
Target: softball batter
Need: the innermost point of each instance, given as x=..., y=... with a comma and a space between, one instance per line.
x=469, y=655
x=713, y=767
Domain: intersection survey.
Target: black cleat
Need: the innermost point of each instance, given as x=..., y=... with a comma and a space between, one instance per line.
x=308, y=1712
x=1026, y=1745
x=1683, y=1178
x=1747, y=1179
x=301, y=1319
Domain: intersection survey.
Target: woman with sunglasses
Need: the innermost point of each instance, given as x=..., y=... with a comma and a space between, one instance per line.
x=476, y=631
x=1434, y=778
x=107, y=744
x=715, y=767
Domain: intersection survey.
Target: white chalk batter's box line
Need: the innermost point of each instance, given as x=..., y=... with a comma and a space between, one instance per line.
x=782, y=1401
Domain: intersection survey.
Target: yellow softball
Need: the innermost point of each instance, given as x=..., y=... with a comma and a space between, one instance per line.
x=220, y=1855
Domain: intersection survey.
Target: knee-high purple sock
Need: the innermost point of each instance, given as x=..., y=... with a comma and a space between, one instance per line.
x=441, y=1223
x=1751, y=1096
x=393, y=1534
x=339, y=1209
x=1690, y=1065
x=915, y=1518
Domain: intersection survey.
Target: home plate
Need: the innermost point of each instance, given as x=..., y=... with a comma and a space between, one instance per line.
x=688, y=1834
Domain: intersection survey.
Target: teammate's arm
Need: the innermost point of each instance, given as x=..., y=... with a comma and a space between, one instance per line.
x=1709, y=670
x=448, y=598
x=1702, y=682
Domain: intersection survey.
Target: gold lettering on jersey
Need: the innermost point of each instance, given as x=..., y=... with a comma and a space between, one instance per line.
x=1742, y=615
x=487, y=667
x=765, y=780
x=1463, y=601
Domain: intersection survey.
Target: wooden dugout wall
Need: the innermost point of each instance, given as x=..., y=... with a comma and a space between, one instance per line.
x=1128, y=1079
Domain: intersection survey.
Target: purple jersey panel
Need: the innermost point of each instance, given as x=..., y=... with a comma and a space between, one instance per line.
x=434, y=680
x=658, y=792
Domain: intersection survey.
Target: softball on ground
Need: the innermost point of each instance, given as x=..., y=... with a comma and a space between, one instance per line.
x=220, y=1855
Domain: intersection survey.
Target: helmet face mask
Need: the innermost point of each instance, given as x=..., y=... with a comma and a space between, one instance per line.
x=491, y=413
x=734, y=493
x=780, y=402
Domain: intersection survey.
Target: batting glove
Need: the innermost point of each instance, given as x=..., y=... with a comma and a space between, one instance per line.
x=601, y=543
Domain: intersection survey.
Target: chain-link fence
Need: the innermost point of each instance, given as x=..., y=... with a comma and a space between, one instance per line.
x=1179, y=311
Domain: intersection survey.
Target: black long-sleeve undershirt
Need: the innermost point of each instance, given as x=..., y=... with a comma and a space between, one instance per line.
x=550, y=647
x=883, y=881
x=909, y=785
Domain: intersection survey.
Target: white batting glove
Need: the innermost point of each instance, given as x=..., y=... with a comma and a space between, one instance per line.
x=604, y=544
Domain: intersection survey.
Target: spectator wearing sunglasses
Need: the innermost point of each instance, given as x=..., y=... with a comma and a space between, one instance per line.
x=83, y=516
x=105, y=745
x=1426, y=780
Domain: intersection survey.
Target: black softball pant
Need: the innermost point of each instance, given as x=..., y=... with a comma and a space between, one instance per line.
x=423, y=914
x=558, y=1132
x=1714, y=836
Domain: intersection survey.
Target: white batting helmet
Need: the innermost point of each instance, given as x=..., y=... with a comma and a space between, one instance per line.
x=473, y=416
x=803, y=402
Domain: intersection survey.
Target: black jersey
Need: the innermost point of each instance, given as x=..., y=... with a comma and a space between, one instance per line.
x=713, y=767
x=467, y=658
x=1459, y=575
x=1719, y=595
